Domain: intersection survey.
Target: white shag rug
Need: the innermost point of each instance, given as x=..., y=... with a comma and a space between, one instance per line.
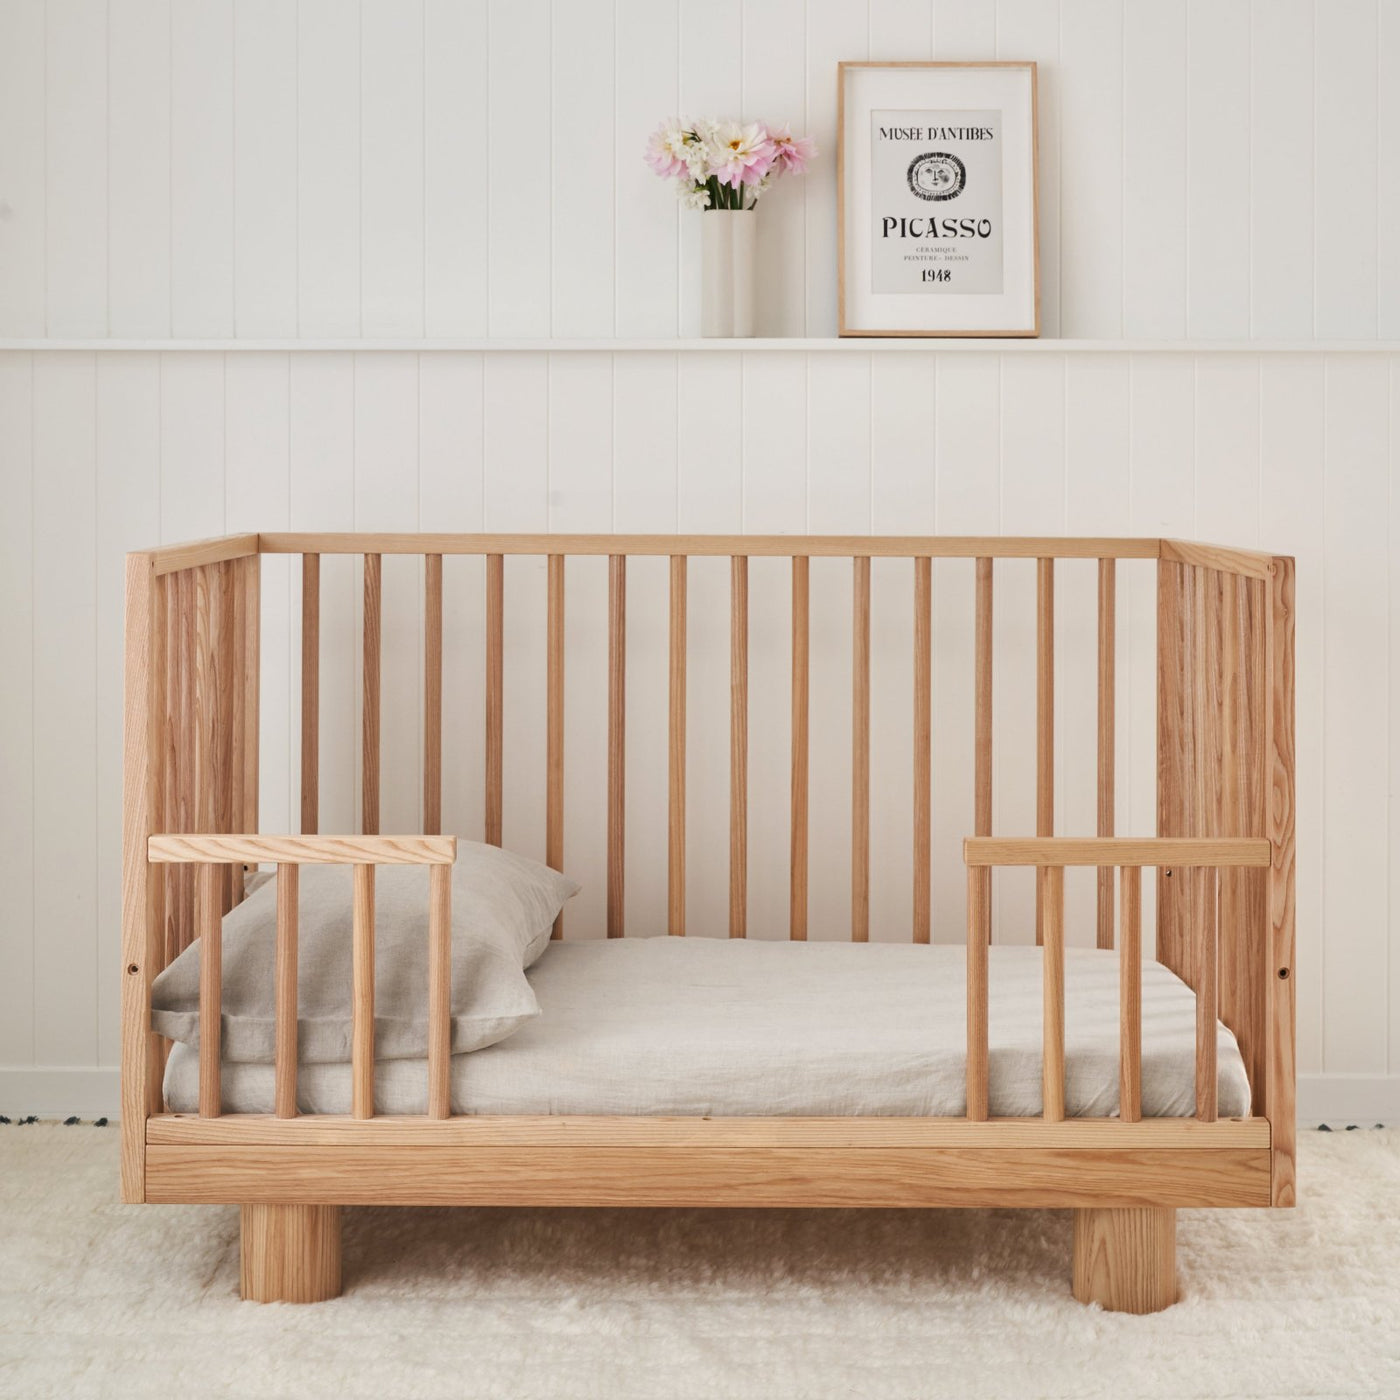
x=103, y=1300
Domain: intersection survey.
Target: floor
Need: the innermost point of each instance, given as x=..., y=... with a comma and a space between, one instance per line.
x=103, y=1300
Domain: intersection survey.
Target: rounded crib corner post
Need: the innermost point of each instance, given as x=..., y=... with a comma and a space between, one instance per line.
x=289, y=1253
x=1125, y=1258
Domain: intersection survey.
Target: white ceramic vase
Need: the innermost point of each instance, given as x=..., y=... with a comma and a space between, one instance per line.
x=727, y=271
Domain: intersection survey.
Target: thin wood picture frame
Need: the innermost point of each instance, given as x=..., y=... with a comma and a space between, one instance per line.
x=1007, y=300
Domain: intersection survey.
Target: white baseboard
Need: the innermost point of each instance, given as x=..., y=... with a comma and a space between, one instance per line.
x=62, y=1091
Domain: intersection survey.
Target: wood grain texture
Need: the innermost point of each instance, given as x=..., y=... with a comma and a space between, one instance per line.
x=554, y=724
x=285, y=1066
x=1044, y=717
x=860, y=752
x=495, y=696
x=617, y=745
x=362, y=994
x=439, y=991
x=923, y=748
x=801, y=707
x=172, y=558
x=1125, y=1258
x=1245, y=563
x=305, y=850
x=1176, y=851
x=289, y=1253
x=738, y=746
x=675, y=749
x=1051, y=883
x=370, y=693
x=250, y=658
x=1107, y=739
x=211, y=1037
x=432, y=694
x=310, y=692
x=1130, y=997
x=1205, y=925
x=979, y=914
x=982, y=701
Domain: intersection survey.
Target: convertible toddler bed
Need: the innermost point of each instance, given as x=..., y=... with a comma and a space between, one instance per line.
x=388, y=1020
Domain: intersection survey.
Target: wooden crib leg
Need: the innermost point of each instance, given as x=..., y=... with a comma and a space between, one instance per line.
x=290, y=1254
x=1125, y=1260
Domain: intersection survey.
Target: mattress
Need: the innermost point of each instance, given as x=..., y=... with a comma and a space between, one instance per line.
x=744, y=1027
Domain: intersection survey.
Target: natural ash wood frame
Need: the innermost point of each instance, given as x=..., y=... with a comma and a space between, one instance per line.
x=1224, y=852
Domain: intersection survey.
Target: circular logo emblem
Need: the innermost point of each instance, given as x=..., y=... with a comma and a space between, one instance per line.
x=937, y=175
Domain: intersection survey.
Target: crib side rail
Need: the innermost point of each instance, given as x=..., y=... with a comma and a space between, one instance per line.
x=1202, y=859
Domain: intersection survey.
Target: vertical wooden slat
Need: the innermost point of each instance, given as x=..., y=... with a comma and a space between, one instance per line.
x=860, y=752
x=148, y=783
x=1107, y=739
x=554, y=725
x=1044, y=717
x=234, y=653
x=310, y=692
x=228, y=714
x=432, y=694
x=617, y=744
x=369, y=744
x=923, y=747
x=676, y=749
x=249, y=582
x=210, y=990
x=362, y=999
x=495, y=694
x=979, y=912
x=801, y=703
x=1207, y=885
x=288, y=885
x=1052, y=891
x=738, y=746
x=982, y=723
x=439, y=991
x=1130, y=996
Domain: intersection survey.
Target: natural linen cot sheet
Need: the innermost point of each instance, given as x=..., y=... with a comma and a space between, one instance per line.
x=750, y=1027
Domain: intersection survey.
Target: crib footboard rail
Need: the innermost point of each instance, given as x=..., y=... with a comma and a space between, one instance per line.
x=210, y=853
x=1202, y=857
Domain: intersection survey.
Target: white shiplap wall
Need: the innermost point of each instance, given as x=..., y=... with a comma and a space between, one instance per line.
x=249, y=169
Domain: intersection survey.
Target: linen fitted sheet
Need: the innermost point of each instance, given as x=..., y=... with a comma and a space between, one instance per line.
x=745, y=1027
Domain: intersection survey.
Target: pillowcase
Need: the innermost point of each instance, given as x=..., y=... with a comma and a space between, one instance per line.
x=503, y=911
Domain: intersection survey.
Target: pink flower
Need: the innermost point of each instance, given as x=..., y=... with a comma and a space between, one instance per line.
x=742, y=155
x=791, y=153
x=665, y=151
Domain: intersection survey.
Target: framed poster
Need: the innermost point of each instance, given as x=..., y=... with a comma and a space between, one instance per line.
x=936, y=183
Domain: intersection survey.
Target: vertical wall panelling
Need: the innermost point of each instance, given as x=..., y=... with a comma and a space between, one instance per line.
x=265, y=169
x=1356, y=708
x=1154, y=170
x=138, y=168
x=328, y=168
x=22, y=198
x=391, y=152
x=1216, y=214
x=65, y=760
x=1387, y=159
x=455, y=94
x=17, y=705
x=963, y=29
x=75, y=168
x=191, y=446
x=584, y=152
x=1346, y=108
x=201, y=169
x=517, y=145
x=900, y=29
x=1227, y=449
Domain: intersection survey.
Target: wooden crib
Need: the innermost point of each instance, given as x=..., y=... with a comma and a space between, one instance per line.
x=1224, y=855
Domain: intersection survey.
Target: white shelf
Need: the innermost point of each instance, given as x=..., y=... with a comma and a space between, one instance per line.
x=852, y=345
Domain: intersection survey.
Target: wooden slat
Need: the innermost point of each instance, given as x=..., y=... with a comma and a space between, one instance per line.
x=1186, y=851
x=738, y=746
x=923, y=747
x=173, y=558
x=228, y=716
x=1242, y=562
x=1207, y=884
x=1107, y=740
x=495, y=695
x=801, y=704
x=310, y=692
x=439, y=991
x=554, y=725
x=1130, y=998
x=979, y=906
x=617, y=744
x=701, y=546
x=860, y=753
x=362, y=999
x=675, y=883
x=285, y=1073
x=982, y=737
x=1051, y=883
x=1044, y=717
x=369, y=744
x=181, y=848
x=252, y=687
x=432, y=694
x=210, y=990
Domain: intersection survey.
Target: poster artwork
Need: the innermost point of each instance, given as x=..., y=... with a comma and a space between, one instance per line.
x=936, y=202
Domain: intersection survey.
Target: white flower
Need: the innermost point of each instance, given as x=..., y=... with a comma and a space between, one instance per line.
x=693, y=197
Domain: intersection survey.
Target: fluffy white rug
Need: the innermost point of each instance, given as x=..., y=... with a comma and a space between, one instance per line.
x=103, y=1300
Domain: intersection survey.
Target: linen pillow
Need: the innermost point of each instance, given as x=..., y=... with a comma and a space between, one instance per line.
x=503, y=910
